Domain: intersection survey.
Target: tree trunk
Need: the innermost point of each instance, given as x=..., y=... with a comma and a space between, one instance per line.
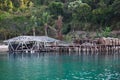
x=33, y=31
x=46, y=26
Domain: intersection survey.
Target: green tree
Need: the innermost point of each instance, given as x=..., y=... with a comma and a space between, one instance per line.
x=116, y=7
x=56, y=8
x=11, y=6
x=45, y=18
x=106, y=32
x=102, y=14
x=80, y=11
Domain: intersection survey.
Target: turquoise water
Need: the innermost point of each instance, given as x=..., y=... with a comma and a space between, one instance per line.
x=55, y=66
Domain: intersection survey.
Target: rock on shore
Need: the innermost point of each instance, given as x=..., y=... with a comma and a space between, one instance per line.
x=3, y=48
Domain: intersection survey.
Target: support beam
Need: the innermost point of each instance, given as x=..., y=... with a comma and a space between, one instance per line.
x=11, y=47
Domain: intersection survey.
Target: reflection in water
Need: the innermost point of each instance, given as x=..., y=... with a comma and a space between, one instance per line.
x=57, y=66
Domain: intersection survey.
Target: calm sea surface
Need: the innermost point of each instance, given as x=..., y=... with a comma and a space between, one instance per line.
x=56, y=66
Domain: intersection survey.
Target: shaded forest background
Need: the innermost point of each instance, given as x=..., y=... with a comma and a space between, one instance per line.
x=18, y=17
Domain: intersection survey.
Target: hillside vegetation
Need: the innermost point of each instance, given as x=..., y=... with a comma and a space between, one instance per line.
x=21, y=17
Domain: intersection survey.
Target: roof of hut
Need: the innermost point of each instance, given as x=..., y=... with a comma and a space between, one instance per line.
x=31, y=38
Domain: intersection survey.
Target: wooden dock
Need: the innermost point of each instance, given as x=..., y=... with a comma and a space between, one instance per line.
x=32, y=44
x=79, y=49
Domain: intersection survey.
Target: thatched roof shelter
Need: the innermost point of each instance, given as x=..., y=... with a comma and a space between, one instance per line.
x=27, y=43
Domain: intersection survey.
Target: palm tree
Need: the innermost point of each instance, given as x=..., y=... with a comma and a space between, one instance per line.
x=45, y=19
x=59, y=27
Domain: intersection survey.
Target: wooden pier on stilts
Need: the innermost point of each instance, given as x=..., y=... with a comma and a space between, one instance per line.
x=32, y=44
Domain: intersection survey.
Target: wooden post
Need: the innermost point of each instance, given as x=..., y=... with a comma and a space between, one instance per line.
x=11, y=47
x=17, y=46
x=22, y=46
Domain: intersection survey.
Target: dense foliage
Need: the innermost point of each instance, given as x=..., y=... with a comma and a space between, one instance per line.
x=18, y=17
